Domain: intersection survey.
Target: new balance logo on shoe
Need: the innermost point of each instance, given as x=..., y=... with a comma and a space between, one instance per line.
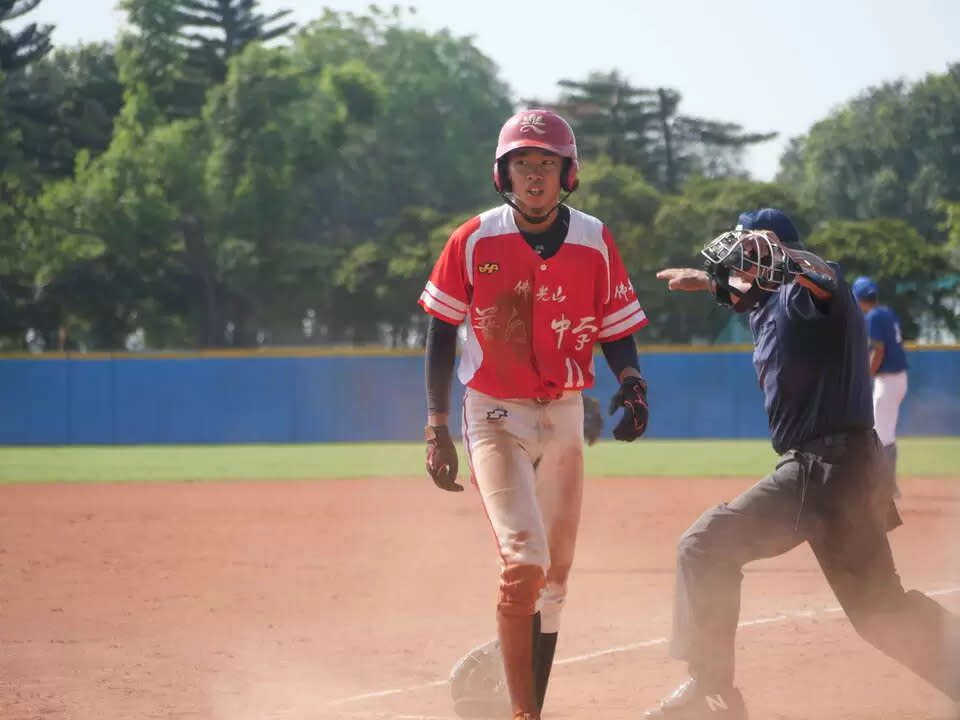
x=689, y=702
x=716, y=703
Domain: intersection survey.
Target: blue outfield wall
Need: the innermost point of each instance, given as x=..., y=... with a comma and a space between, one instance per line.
x=250, y=399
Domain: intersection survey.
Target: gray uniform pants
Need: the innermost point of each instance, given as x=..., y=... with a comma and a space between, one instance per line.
x=833, y=496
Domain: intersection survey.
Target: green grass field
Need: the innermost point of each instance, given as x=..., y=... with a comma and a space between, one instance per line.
x=668, y=458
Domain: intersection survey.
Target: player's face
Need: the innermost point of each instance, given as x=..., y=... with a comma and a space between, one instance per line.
x=535, y=178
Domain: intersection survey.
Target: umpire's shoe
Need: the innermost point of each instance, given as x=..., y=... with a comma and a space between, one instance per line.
x=691, y=702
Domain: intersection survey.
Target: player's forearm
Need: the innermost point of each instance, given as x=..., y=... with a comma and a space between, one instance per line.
x=876, y=359
x=621, y=356
x=440, y=355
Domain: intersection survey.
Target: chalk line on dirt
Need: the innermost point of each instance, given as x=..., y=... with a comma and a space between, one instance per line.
x=779, y=617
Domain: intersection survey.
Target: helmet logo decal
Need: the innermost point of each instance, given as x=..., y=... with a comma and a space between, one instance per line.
x=532, y=123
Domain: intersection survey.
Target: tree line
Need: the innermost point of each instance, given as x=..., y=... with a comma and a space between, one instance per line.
x=222, y=177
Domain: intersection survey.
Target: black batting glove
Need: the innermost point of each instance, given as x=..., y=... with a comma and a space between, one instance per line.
x=632, y=397
x=442, y=463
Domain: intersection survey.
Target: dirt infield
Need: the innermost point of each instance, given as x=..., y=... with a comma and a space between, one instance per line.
x=339, y=600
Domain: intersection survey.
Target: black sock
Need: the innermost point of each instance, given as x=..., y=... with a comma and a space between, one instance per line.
x=536, y=641
x=544, y=646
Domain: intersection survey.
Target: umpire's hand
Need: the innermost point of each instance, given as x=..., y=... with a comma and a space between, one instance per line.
x=632, y=397
x=442, y=463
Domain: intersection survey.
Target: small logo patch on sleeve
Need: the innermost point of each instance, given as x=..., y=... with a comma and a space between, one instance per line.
x=488, y=268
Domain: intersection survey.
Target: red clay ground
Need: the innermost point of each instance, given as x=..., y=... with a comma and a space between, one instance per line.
x=286, y=601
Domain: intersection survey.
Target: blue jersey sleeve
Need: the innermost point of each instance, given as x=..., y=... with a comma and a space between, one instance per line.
x=880, y=327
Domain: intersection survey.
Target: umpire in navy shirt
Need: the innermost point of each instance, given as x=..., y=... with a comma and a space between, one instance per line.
x=827, y=487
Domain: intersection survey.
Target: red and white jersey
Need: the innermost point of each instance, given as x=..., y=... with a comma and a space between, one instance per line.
x=531, y=322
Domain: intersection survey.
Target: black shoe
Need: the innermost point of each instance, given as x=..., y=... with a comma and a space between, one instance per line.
x=690, y=702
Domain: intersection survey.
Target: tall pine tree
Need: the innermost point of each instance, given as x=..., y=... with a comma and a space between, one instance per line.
x=182, y=48
x=220, y=29
x=32, y=42
x=643, y=128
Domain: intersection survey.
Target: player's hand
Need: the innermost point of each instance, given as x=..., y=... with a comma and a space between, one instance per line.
x=686, y=279
x=442, y=463
x=632, y=397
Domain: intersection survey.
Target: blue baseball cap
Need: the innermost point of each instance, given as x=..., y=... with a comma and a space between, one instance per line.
x=773, y=220
x=864, y=288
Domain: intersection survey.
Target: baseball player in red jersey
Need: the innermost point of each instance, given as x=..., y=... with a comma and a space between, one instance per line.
x=537, y=284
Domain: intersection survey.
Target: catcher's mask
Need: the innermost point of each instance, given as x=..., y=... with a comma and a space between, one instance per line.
x=756, y=254
x=478, y=684
x=542, y=129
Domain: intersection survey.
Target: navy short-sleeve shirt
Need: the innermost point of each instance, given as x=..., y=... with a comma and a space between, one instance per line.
x=812, y=364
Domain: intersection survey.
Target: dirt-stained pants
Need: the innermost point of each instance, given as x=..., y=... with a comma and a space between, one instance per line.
x=527, y=463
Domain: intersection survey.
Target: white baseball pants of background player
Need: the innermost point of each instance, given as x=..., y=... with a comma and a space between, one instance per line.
x=889, y=390
x=527, y=462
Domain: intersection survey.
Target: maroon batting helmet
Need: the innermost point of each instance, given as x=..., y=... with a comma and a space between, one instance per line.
x=542, y=129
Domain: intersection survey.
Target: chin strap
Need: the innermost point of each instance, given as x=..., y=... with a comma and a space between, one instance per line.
x=532, y=219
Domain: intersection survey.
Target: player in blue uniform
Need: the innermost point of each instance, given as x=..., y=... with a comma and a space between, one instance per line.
x=827, y=488
x=888, y=368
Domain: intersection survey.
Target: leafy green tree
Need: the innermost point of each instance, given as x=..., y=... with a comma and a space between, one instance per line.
x=65, y=102
x=18, y=51
x=188, y=227
x=180, y=49
x=389, y=273
x=904, y=264
x=272, y=129
x=431, y=147
x=683, y=225
x=619, y=195
x=433, y=143
x=882, y=168
x=107, y=235
x=889, y=152
x=152, y=58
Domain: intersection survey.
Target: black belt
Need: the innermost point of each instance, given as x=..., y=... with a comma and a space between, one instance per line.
x=837, y=443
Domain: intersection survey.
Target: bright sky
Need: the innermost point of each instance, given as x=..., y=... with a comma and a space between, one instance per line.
x=770, y=65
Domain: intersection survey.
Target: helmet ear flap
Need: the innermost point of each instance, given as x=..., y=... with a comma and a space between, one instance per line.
x=501, y=177
x=568, y=178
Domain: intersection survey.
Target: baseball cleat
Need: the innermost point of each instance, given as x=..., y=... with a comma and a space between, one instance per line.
x=690, y=702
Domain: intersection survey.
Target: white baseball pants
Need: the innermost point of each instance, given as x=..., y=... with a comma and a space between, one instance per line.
x=527, y=463
x=889, y=389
